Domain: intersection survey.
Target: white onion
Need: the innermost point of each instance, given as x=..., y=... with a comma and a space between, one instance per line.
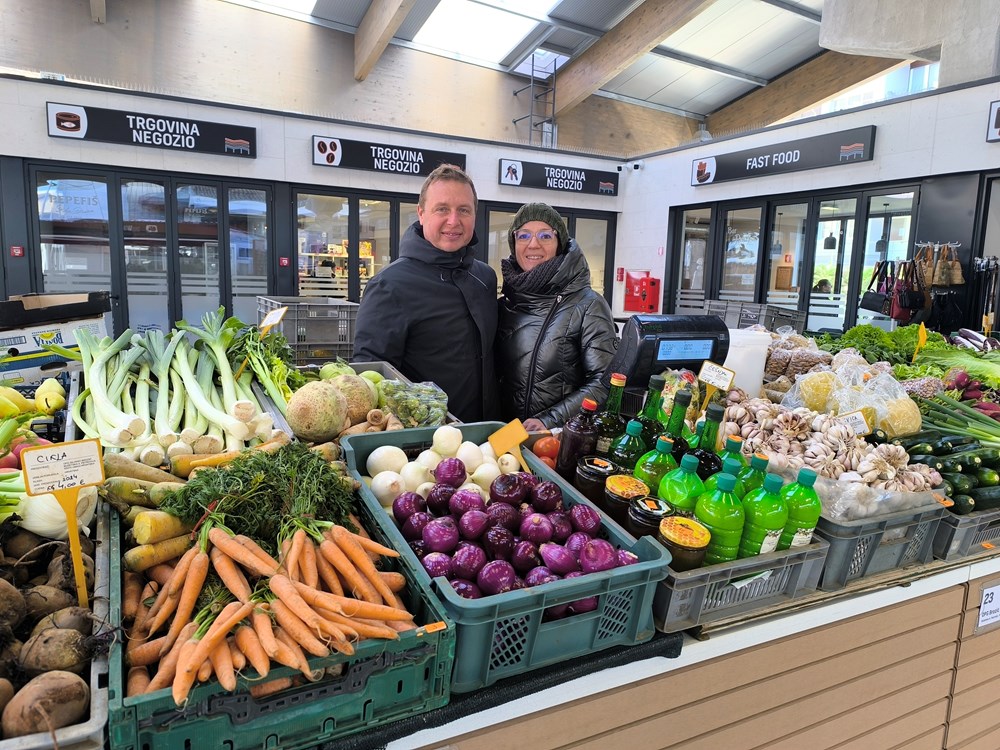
x=387, y=486
x=415, y=474
x=470, y=455
x=446, y=440
x=429, y=458
x=386, y=458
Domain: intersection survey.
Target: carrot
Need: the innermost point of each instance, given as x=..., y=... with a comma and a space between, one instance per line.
x=364, y=628
x=222, y=665
x=350, y=607
x=264, y=629
x=370, y=545
x=230, y=574
x=122, y=493
x=285, y=655
x=255, y=548
x=160, y=573
x=166, y=602
x=145, y=556
x=294, y=626
x=359, y=586
x=187, y=599
x=395, y=581
x=401, y=626
x=153, y=526
x=284, y=589
x=291, y=562
x=168, y=664
x=300, y=655
x=238, y=657
x=348, y=542
x=149, y=591
x=205, y=671
x=241, y=552
x=328, y=575
x=307, y=564
x=181, y=465
x=162, y=490
x=230, y=616
x=132, y=584
x=145, y=653
x=216, y=460
x=247, y=641
x=264, y=689
x=137, y=681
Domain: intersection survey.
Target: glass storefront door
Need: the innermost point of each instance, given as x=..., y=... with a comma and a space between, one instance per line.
x=146, y=263
x=786, y=255
x=198, y=250
x=248, y=249
x=887, y=238
x=497, y=246
x=740, y=255
x=692, y=273
x=592, y=236
x=831, y=275
x=374, y=248
x=322, y=245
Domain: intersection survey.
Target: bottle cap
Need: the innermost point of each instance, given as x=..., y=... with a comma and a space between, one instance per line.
x=731, y=465
x=727, y=482
x=683, y=396
x=657, y=382
x=689, y=462
x=589, y=405
x=772, y=483
x=759, y=461
x=699, y=427
x=617, y=378
x=634, y=428
x=664, y=444
x=807, y=477
x=714, y=412
x=734, y=443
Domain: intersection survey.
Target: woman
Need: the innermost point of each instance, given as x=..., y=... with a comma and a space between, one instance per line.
x=556, y=336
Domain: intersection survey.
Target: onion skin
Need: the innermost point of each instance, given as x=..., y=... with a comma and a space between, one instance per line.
x=413, y=526
x=437, y=564
x=502, y=514
x=467, y=562
x=450, y=471
x=438, y=497
x=562, y=526
x=473, y=524
x=626, y=558
x=466, y=589
x=546, y=497
x=406, y=504
x=498, y=543
x=598, y=555
x=538, y=576
x=441, y=534
x=525, y=557
x=507, y=488
x=558, y=559
x=576, y=541
x=585, y=519
x=536, y=528
x=463, y=501
x=496, y=577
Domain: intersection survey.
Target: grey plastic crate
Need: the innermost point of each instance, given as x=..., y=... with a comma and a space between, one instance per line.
x=318, y=329
x=874, y=545
x=703, y=595
x=961, y=536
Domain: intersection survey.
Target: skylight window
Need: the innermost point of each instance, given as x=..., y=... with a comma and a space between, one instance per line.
x=545, y=63
x=472, y=30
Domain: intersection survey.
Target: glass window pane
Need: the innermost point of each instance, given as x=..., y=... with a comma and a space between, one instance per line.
x=592, y=236
x=144, y=225
x=322, y=237
x=373, y=253
x=739, y=263
x=248, y=249
x=786, y=254
x=198, y=250
x=887, y=237
x=690, y=298
x=497, y=248
x=830, y=283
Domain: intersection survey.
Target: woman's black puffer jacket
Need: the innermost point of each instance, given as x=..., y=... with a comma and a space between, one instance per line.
x=553, y=346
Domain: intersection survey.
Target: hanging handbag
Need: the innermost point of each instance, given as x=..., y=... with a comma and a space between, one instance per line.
x=924, y=263
x=909, y=291
x=942, y=268
x=877, y=300
x=899, y=310
x=955, y=268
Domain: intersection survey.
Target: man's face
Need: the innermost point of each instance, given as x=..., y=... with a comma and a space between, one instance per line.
x=448, y=216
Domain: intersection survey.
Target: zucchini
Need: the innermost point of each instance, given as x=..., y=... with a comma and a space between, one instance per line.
x=934, y=462
x=986, y=498
x=924, y=436
x=970, y=460
x=987, y=477
x=988, y=456
x=920, y=449
x=958, y=440
x=954, y=464
x=962, y=505
x=960, y=483
x=945, y=488
x=876, y=437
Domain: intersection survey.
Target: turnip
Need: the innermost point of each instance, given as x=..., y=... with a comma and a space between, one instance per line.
x=55, y=649
x=48, y=702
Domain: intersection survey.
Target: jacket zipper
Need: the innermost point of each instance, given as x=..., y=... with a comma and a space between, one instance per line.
x=534, y=355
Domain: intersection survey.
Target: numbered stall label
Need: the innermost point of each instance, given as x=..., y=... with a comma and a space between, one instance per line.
x=64, y=466
x=716, y=375
x=989, y=609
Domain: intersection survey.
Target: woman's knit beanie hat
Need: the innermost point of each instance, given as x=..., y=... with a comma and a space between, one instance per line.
x=540, y=212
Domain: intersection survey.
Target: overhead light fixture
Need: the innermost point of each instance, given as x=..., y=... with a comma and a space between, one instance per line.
x=830, y=243
x=882, y=245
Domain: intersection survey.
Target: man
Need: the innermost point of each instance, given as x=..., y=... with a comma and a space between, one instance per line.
x=432, y=313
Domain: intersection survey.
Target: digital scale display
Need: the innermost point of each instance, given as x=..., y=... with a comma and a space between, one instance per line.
x=680, y=350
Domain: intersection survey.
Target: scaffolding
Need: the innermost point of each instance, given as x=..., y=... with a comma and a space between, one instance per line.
x=541, y=116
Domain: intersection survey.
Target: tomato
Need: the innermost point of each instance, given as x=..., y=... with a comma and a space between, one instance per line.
x=550, y=462
x=546, y=447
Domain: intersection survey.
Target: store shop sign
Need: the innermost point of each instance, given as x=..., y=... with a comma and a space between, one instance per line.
x=380, y=157
x=556, y=177
x=829, y=150
x=153, y=131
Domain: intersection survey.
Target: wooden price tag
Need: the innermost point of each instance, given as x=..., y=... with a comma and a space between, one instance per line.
x=857, y=422
x=62, y=470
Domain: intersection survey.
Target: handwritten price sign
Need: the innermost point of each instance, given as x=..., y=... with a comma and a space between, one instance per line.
x=716, y=375
x=65, y=466
x=857, y=422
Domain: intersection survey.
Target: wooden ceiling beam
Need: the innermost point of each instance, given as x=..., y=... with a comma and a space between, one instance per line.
x=638, y=33
x=380, y=24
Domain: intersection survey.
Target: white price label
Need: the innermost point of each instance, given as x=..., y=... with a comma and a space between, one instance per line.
x=716, y=375
x=273, y=318
x=64, y=466
x=857, y=422
x=989, y=607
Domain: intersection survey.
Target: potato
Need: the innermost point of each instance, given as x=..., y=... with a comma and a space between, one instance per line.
x=8, y=659
x=75, y=618
x=24, y=543
x=61, y=576
x=50, y=701
x=44, y=600
x=6, y=692
x=13, y=608
x=55, y=649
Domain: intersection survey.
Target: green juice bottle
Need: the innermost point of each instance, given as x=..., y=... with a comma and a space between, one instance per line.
x=682, y=487
x=766, y=516
x=729, y=466
x=753, y=475
x=627, y=449
x=721, y=512
x=804, y=509
x=733, y=449
x=695, y=439
x=709, y=462
x=653, y=466
x=676, y=426
x=649, y=417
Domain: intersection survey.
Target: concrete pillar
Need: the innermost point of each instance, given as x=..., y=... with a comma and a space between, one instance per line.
x=964, y=35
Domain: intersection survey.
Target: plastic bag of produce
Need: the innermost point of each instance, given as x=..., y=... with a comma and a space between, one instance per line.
x=813, y=390
x=848, y=357
x=675, y=380
x=415, y=404
x=851, y=501
x=787, y=337
x=902, y=416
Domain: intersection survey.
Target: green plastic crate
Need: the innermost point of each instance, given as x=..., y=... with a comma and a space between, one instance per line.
x=503, y=635
x=383, y=681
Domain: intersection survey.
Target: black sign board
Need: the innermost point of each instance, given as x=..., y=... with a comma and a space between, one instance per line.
x=748, y=318
x=829, y=150
x=153, y=131
x=555, y=177
x=380, y=157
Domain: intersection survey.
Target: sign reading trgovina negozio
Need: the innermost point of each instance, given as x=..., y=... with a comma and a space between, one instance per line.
x=556, y=177
x=380, y=157
x=153, y=131
x=828, y=150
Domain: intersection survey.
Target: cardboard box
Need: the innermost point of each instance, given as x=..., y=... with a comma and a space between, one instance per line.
x=29, y=322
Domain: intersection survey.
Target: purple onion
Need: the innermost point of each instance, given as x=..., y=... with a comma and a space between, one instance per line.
x=528, y=480
x=546, y=497
x=498, y=543
x=507, y=488
x=519, y=584
x=467, y=562
x=562, y=526
x=473, y=524
x=413, y=526
x=465, y=500
x=555, y=612
x=585, y=518
x=496, y=577
x=587, y=604
x=525, y=557
x=627, y=558
x=437, y=564
x=406, y=504
x=438, y=497
x=418, y=547
x=558, y=559
x=576, y=541
x=538, y=576
x=502, y=514
x=598, y=555
x=450, y=471
x=525, y=510
x=466, y=589
x=441, y=534
x=536, y=528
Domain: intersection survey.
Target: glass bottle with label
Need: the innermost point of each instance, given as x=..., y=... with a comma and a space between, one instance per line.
x=682, y=487
x=578, y=439
x=753, y=475
x=765, y=517
x=721, y=512
x=627, y=449
x=653, y=465
x=729, y=466
x=709, y=462
x=804, y=508
x=675, y=424
x=610, y=422
x=734, y=449
x=649, y=417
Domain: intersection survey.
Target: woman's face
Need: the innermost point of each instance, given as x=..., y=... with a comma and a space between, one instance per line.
x=533, y=251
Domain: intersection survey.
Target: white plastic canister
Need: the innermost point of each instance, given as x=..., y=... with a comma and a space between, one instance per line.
x=747, y=357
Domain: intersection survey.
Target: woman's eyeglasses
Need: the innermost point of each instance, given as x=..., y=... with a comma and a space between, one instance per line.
x=546, y=235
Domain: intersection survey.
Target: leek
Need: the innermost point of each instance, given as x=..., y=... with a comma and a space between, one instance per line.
x=215, y=335
x=159, y=351
x=230, y=424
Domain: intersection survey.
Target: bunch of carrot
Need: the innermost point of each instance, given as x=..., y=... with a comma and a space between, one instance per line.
x=324, y=593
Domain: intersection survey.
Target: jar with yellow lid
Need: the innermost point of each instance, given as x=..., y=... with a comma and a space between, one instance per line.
x=619, y=492
x=591, y=474
x=686, y=539
x=645, y=515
